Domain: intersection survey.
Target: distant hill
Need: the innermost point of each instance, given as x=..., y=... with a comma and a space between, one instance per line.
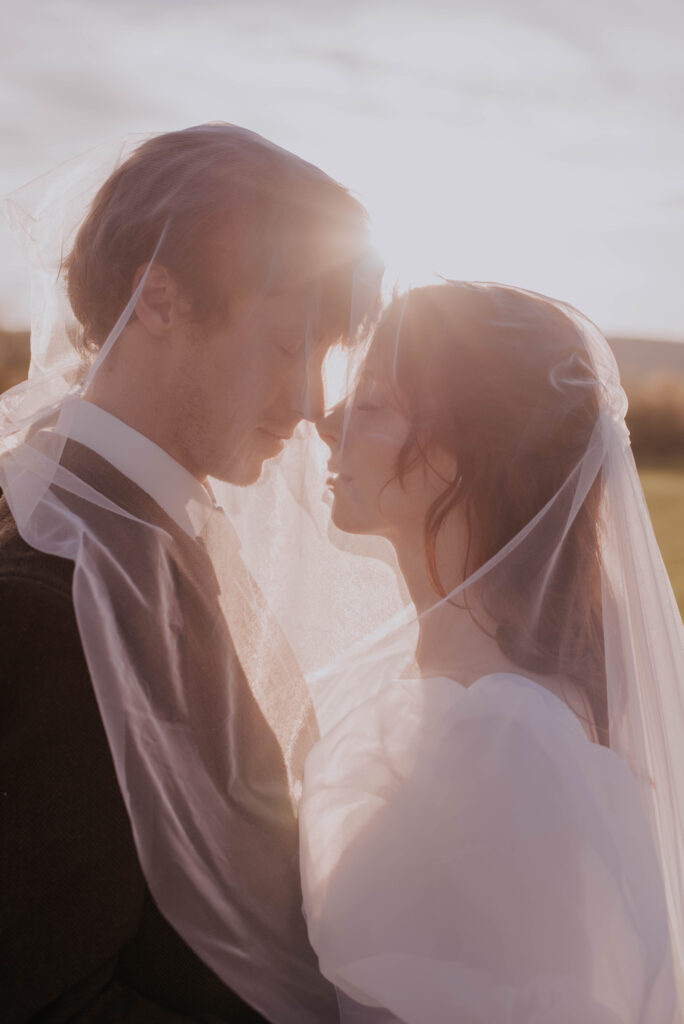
x=652, y=371
x=14, y=357
x=639, y=358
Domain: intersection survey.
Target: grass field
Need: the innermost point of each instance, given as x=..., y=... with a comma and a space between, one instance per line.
x=664, y=490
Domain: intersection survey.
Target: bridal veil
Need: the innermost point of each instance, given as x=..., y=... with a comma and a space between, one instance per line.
x=324, y=637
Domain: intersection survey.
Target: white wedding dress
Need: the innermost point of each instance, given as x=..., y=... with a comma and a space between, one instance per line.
x=469, y=856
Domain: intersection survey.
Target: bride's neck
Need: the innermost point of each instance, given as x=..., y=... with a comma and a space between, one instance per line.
x=456, y=637
x=453, y=639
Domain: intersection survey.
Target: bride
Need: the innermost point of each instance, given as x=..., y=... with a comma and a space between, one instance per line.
x=485, y=834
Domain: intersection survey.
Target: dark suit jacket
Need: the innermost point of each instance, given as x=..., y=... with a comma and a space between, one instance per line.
x=81, y=938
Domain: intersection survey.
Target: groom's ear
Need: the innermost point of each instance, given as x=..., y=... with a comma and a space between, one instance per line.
x=162, y=304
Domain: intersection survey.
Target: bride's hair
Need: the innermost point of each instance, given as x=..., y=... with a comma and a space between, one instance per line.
x=501, y=379
x=239, y=215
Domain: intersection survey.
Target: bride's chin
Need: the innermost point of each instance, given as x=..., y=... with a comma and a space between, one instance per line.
x=345, y=520
x=341, y=517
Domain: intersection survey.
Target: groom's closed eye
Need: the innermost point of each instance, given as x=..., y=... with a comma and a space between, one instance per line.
x=288, y=349
x=288, y=342
x=297, y=343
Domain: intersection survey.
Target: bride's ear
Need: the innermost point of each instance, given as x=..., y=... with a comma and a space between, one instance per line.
x=162, y=305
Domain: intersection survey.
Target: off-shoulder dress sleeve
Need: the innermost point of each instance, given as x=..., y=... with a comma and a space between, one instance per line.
x=469, y=856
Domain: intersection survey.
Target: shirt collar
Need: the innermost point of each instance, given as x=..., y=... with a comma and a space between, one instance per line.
x=174, y=489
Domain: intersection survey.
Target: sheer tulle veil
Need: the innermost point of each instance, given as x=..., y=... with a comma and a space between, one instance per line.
x=321, y=620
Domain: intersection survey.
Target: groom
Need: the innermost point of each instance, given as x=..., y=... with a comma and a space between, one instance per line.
x=219, y=362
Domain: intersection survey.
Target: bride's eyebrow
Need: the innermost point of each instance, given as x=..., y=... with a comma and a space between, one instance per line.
x=374, y=386
x=378, y=376
x=367, y=380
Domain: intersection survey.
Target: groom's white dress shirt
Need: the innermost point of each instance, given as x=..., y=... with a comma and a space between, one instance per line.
x=174, y=489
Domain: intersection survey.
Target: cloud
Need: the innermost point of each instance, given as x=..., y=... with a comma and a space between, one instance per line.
x=568, y=114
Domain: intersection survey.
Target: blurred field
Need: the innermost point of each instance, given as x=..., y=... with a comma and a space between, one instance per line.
x=664, y=490
x=653, y=375
x=14, y=348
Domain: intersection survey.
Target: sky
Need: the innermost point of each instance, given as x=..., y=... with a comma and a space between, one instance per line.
x=539, y=143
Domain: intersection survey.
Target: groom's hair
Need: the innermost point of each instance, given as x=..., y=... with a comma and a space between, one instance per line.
x=238, y=215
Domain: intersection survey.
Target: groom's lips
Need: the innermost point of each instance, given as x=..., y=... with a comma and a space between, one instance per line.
x=281, y=436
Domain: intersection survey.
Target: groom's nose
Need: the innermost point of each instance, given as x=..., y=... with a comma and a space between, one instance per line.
x=305, y=392
x=311, y=405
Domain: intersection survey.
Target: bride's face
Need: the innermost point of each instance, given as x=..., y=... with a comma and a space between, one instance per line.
x=365, y=438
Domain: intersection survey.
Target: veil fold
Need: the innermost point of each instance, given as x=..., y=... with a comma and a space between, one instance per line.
x=216, y=657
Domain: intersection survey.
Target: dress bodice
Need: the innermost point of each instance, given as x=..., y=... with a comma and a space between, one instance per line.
x=468, y=854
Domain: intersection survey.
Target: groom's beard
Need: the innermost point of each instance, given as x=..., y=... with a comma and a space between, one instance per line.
x=236, y=457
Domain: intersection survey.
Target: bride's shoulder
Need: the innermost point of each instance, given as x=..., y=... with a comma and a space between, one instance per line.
x=507, y=724
x=503, y=726
x=526, y=701
x=437, y=704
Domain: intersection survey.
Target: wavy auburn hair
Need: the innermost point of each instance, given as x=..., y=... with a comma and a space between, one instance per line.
x=502, y=380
